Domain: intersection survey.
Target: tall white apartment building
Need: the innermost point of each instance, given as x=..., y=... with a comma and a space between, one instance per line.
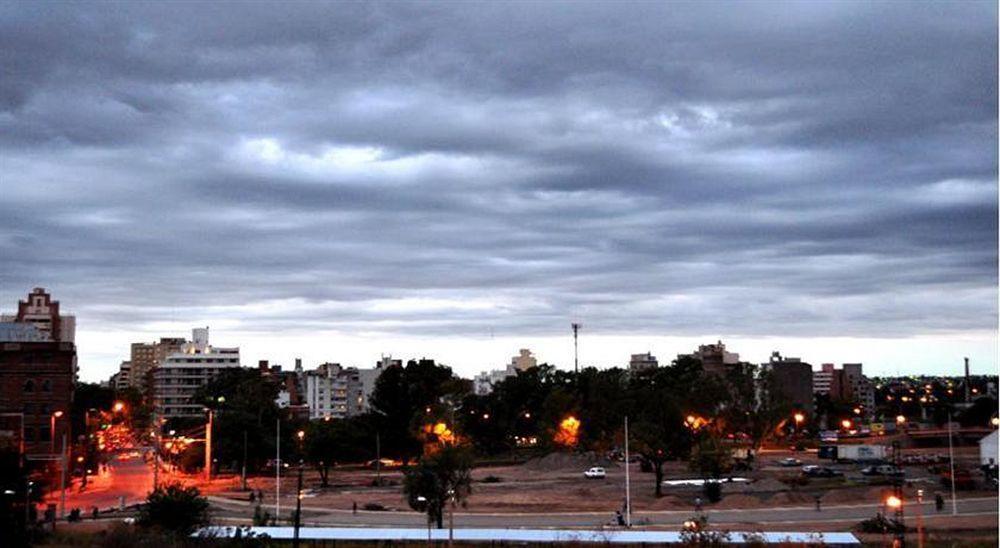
x=333, y=392
x=336, y=392
x=180, y=374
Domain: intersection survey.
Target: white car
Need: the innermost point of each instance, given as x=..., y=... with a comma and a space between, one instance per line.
x=595, y=473
x=789, y=461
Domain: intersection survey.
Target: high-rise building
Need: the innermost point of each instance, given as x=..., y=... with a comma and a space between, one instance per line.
x=847, y=384
x=123, y=378
x=176, y=379
x=792, y=378
x=333, y=392
x=642, y=362
x=714, y=358
x=142, y=359
x=523, y=361
x=37, y=374
x=482, y=383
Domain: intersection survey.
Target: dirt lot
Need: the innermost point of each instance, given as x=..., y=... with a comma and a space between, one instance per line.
x=558, y=485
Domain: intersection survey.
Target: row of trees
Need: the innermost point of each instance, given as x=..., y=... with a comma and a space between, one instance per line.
x=673, y=410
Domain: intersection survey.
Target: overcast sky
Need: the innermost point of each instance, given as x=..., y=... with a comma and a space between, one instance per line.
x=459, y=180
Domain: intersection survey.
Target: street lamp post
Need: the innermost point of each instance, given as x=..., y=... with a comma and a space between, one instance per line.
x=298, y=507
x=52, y=428
x=208, y=448
x=895, y=502
x=920, y=518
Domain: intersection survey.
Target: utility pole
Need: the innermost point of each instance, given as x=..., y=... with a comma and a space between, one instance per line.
x=277, y=473
x=920, y=518
x=298, y=510
x=243, y=471
x=62, y=480
x=951, y=460
x=897, y=489
x=156, y=450
x=378, y=460
x=208, y=448
x=628, y=486
x=576, y=351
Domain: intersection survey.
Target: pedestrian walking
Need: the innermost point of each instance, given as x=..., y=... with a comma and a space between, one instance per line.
x=619, y=518
x=354, y=507
x=818, y=501
x=938, y=502
x=697, y=504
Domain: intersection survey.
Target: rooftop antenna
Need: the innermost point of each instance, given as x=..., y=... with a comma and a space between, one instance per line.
x=576, y=352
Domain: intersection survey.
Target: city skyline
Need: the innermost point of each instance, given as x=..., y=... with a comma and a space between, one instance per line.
x=458, y=182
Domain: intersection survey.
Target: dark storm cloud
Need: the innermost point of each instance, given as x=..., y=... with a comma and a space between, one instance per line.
x=756, y=169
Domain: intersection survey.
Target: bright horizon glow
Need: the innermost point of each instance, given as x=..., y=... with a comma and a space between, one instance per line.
x=100, y=352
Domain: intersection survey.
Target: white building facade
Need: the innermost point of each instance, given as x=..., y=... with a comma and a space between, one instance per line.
x=181, y=374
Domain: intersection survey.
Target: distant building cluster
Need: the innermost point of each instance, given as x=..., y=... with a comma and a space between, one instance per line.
x=38, y=367
x=171, y=371
x=482, y=384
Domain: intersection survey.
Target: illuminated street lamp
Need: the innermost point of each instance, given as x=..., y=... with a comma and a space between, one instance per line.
x=799, y=418
x=119, y=407
x=857, y=410
x=900, y=419
x=893, y=502
x=846, y=424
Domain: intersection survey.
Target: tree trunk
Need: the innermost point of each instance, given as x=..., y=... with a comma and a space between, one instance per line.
x=324, y=475
x=658, y=474
x=440, y=517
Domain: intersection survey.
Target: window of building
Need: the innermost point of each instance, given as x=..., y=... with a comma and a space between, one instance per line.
x=29, y=434
x=46, y=385
x=44, y=434
x=29, y=386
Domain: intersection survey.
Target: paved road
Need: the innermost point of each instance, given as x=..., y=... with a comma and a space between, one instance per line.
x=132, y=479
x=235, y=511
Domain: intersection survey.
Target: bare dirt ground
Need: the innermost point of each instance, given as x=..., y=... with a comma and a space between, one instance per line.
x=558, y=485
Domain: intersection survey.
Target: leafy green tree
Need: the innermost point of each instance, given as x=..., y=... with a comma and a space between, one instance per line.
x=403, y=399
x=335, y=441
x=660, y=401
x=438, y=479
x=14, y=479
x=88, y=396
x=603, y=402
x=245, y=410
x=711, y=458
x=174, y=508
x=755, y=407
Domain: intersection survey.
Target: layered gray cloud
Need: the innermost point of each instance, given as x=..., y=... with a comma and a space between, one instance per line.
x=753, y=169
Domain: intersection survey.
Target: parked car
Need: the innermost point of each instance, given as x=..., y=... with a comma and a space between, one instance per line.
x=385, y=463
x=814, y=471
x=882, y=470
x=595, y=473
x=789, y=462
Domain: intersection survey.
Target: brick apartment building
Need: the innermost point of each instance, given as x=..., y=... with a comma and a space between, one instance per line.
x=37, y=374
